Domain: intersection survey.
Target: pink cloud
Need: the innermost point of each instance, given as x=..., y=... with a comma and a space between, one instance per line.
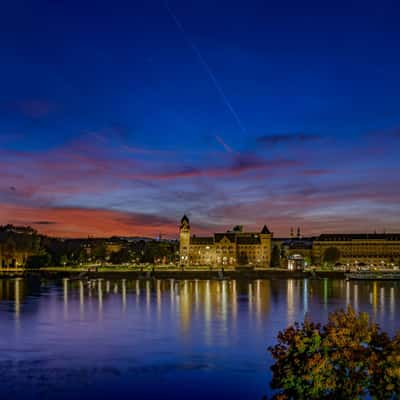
x=240, y=164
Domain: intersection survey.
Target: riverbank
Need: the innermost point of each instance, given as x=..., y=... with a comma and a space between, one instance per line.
x=169, y=273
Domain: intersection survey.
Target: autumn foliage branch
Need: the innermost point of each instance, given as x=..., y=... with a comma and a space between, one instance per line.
x=347, y=358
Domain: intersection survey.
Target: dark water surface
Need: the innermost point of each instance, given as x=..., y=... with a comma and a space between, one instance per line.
x=161, y=339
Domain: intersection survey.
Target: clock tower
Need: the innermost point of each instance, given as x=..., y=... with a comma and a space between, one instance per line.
x=184, y=241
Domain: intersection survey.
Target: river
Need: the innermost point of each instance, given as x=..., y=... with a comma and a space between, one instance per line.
x=162, y=339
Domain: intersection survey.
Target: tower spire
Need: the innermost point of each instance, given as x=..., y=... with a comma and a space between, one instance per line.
x=185, y=221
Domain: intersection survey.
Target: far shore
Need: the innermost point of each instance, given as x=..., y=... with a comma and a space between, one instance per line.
x=166, y=272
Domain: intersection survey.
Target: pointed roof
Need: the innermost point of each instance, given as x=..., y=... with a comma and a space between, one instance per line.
x=265, y=230
x=185, y=221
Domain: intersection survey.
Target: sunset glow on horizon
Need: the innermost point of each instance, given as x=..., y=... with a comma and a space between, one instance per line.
x=202, y=110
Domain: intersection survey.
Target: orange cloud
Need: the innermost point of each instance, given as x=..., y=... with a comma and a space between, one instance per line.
x=80, y=222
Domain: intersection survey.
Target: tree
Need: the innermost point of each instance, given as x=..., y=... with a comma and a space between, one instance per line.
x=63, y=260
x=276, y=257
x=38, y=260
x=331, y=255
x=9, y=247
x=17, y=243
x=99, y=251
x=121, y=257
x=302, y=369
x=157, y=251
x=348, y=358
x=385, y=383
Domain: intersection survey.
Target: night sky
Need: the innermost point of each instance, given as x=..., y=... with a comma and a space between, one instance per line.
x=118, y=117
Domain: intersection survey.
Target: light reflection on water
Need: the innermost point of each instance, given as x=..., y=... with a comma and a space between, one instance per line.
x=184, y=339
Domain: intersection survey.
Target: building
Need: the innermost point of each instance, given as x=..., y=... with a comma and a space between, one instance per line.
x=373, y=250
x=231, y=248
x=295, y=252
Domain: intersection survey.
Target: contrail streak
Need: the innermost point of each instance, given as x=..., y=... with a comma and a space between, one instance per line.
x=206, y=67
x=227, y=148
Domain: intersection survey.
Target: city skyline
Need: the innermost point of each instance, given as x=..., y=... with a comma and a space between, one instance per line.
x=119, y=123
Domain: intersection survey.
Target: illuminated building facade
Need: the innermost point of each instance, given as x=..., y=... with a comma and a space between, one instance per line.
x=374, y=250
x=295, y=251
x=231, y=248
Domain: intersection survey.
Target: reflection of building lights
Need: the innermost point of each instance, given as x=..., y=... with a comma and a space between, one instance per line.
x=258, y=299
x=171, y=290
x=356, y=296
x=100, y=295
x=81, y=298
x=137, y=290
x=17, y=297
x=290, y=300
x=224, y=301
x=250, y=296
x=374, y=296
x=159, y=302
x=196, y=294
x=184, y=307
x=65, y=282
x=148, y=295
x=305, y=295
x=392, y=303
x=123, y=293
x=325, y=292
x=207, y=311
x=234, y=301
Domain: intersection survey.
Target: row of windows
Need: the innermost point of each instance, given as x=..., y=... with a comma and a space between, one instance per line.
x=365, y=256
x=341, y=246
x=372, y=252
x=240, y=246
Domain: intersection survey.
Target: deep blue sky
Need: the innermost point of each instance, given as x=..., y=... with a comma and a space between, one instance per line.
x=117, y=117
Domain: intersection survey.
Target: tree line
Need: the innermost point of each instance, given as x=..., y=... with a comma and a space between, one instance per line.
x=36, y=251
